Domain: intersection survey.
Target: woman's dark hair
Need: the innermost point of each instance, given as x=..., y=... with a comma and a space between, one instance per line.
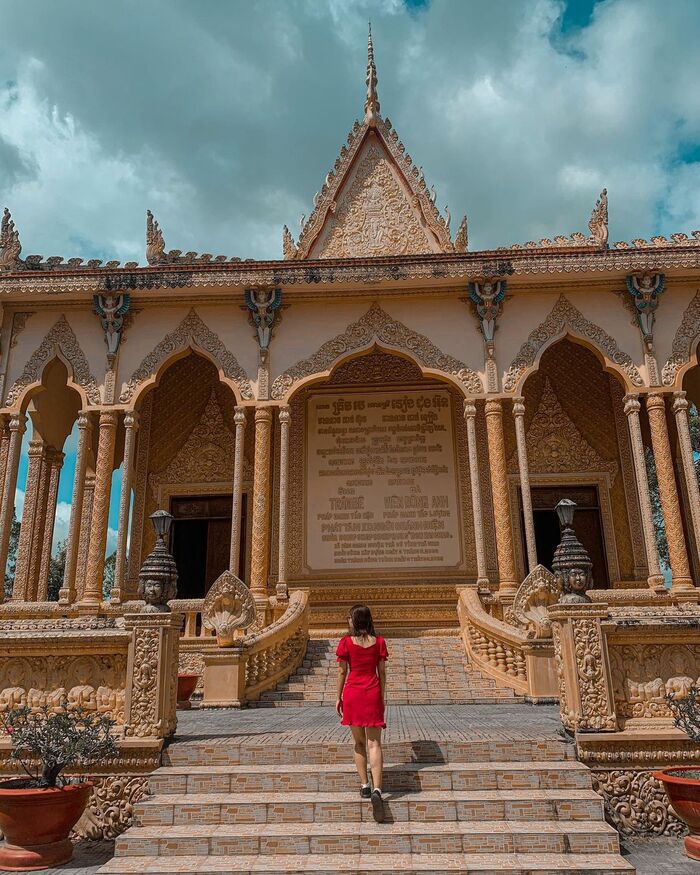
x=361, y=621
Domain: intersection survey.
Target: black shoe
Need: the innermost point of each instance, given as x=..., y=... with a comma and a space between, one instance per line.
x=377, y=806
x=365, y=792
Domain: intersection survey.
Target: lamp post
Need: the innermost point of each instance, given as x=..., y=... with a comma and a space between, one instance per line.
x=158, y=575
x=571, y=564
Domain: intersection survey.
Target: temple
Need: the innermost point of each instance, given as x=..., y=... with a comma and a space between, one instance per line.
x=381, y=415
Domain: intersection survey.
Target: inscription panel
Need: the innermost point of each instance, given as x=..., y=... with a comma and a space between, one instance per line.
x=381, y=480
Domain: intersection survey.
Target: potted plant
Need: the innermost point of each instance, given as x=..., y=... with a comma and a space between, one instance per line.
x=186, y=685
x=682, y=784
x=39, y=809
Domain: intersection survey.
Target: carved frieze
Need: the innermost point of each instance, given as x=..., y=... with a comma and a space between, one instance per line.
x=636, y=803
x=643, y=674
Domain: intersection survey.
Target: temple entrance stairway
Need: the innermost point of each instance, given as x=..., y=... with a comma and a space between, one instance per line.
x=429, y=670
x=468, y=788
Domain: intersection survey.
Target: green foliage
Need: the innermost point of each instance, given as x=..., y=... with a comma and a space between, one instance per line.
x=46, y=742
x=108, y=578
x=57, y=570
x=12, y=556
x=686, y=713
x=656, y=510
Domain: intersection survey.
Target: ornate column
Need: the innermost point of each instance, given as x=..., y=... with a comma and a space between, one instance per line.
x=508, y=582
x=22, y=589
x=680, y=409
x=4, y=445
x=100, y=512
x=85, y=530
x=680, y=570
x=131, y=424
x=284, y=416
x=260, y=550
x=519, y=415
x=67, y=593
x=632, y=408
x=474, y=482
x=239, y=418
x=17, y=426
x=54, y=463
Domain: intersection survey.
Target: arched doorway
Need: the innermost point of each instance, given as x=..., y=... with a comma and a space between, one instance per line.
x=184, y=464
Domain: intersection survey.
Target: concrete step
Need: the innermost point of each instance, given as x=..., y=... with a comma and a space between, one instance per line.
x=526, y=837
x=329, y=778
x=367, y=864
x=224, y=808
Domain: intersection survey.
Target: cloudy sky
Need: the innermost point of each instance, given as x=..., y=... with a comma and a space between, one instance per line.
x=223, y=116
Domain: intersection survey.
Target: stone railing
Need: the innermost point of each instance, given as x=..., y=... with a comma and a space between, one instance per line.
x=616, y=663
x=122, y=667
x=259, y=661
x=504, y=652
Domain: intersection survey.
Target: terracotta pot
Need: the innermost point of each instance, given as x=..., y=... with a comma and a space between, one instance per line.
x=682, y=785
x=186, y=684
x=37, y=823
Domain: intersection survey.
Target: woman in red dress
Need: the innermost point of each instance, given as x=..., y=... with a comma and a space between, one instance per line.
x=362, y=659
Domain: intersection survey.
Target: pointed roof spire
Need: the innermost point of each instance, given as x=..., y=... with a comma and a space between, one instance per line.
x=372, y=101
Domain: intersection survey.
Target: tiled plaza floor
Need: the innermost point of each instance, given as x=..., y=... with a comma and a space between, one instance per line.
x=658, y=856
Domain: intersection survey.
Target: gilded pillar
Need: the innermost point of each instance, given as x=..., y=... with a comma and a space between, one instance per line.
x=680, y=409
x=4, y=445
x=632, y=407
x=519, y=415
x=67, y=593
x=470, y=420
x=85, y=530
x=508, y=582
x=284, y=416
x=54, y=462
x=260, y=550
x=680, y=570
x=100, y=512
x=17, y=426
x=131, y=424
x=239, y=418
x=22, y=589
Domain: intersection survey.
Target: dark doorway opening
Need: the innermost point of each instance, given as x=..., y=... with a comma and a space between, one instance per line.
x=201, y=540
x=587, y=525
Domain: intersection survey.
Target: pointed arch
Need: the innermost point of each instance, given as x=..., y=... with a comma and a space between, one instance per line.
x=376, y=327
x=565, y=319
x=59, y=341
x=684, y=343
x=191, y=333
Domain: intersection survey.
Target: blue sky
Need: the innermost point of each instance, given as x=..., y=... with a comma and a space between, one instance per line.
x=223, y=117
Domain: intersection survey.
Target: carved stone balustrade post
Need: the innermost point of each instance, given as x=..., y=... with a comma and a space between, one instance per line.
x=586, y=701
x=680, y=409
x=475, y=484
x=17, y=426
x=85, y=529
x=55, y=462
x=100, y=513
x=508, y=583
x=67, y=593
x=239, y=419
x=632, y=408
x=131, y=424
x=284, y=417
x=224, y=678
x=23, y=587
x=680, y=569
x=519, y=416
x=260, y=550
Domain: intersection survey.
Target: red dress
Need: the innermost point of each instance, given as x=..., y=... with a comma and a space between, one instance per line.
x=362, y=693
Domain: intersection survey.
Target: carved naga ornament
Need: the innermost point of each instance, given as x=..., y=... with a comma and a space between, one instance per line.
x=536, y=593
x=229, y=606
x=598, y=223
x=10, y=247
x=155, y=242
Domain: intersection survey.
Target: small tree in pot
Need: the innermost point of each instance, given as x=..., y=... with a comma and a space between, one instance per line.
x=682, y=784
x=38, y=810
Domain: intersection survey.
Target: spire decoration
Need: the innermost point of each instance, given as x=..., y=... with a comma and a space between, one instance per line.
x=289, y=247
x=372, y=101
x=155, y=243
x=10, y=247
x=462, y=236
x=598, y=224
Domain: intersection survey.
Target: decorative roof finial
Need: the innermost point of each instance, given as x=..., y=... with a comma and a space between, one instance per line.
x=598, y=225
x=10, y=247
x=289, y=247
x=372, y=101
x=462, y=238
x=155, y=243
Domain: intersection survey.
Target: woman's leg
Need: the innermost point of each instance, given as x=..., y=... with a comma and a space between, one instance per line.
x=358, y=736
x=376, y=757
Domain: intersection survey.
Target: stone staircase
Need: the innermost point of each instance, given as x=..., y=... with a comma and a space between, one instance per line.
x=421, y=671
x=227, y=805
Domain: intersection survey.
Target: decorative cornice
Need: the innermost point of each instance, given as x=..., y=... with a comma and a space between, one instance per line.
x=192, y=330
x=562, y=316
x=59, y=339
x=376, y=326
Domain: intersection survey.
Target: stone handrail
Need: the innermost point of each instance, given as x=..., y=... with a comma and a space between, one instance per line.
x=236, y=675
x=193, y=627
